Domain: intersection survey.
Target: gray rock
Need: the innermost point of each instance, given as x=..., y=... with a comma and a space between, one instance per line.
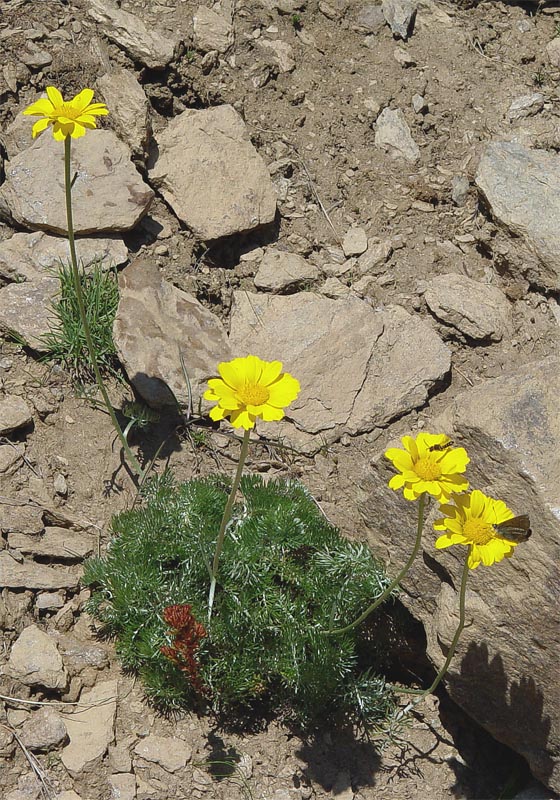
x=522, y=188
x=553, y=52
x=281, y=53
x=526, y=106
x=47, y=601
x=335, y=288
x=44, y=731
x=28, y=256
x=59, y=543
x=23, y=518
x=91, y=729
x=393, y=135
x=10, y=456
x=419, y=104
x=30, y=575
x=400, y=16
x=171, y=754
x=212, y=31
x=459, y=190
x=372, y=262
x=26, y=310
x=7, y=743
x=501, y=674
x=173, y=323
x=355, y=242
x=146, y=46
x=384, y=362
x=123, y=786
x=108, y=193
x=129, y=107
x=14, y=414
x=370, y=19
x=280, y=271
x=78, y=655
x=211, y=175
x=35, y=660
x=36, y=58
x=477, y=310
x=403, y=58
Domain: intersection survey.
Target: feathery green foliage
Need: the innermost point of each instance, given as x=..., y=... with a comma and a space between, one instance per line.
x=286, y=575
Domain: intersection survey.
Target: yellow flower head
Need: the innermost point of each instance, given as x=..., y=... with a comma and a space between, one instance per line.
x=70, y=118
x=471, y=521
x=429, y=463
x=250, y=388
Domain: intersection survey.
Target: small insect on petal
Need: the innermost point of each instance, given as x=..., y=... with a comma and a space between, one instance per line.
x=516, y=529
x=439, y=447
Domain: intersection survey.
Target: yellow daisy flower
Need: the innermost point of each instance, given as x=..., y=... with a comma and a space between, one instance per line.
x=429, y=463
x=70, y=118
x=471, y=521
x=250, y=388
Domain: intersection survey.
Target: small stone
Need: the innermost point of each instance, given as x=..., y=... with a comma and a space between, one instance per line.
x=403, y=58
x=393, y=134
x=280, y=271
x=355, y=242
x=47, y=601
x=553, y=52
x=44, y=731
x=399, y=15
x=35, y=660
x=334, y=288
x=26, y=310
x=14, y=414
x=130, y=109
x=171, y=754
x=212, y=31
x=161, y=250
x=59, y=485
x=526, y=106
x=370, y=19
x=7, y=743
x=419, y=104
x=123, y=786
x=459, y=190
x=36, y=59
x=281, y=52
x=78, y=656
x=477, y=310
x=10, y=456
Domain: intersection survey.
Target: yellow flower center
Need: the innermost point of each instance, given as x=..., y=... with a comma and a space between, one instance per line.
x=67, y=110
x=427, y=469
x=478, y=531
x=253, y=395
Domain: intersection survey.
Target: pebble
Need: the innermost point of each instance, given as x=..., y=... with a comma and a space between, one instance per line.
x=355, y=242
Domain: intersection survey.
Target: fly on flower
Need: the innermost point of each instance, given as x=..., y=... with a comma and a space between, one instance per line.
x=516, y=529
x=439, y=448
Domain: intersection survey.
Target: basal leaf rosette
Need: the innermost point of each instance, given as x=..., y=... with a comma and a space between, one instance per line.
x=249, y=388
x=469, y=520
x=428, y=463
x=68, y=118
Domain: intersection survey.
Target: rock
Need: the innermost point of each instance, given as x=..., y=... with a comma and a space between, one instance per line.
x=91, y=729
x=14, y=414
x=171, y=754
x=399, y=16
x=522, y=188
x=35, y=58
x=44, y=731
x=23, y=518
x=26, y=310
x=355, y=242
x=335, y=288
x=553, y=52
x=526, y=106
x=280, y=271
x=58, y=543
x=212, y=31
x=477, y=310
x=10, y=457
x=123, y=786
x=68, y=795
x=403, y=58
x=281, y=52
x=173, y=323
x=48, y=601
x=419, y=104
x=374, y=259
x=460, y=190
x=305, y=332
x=370, y=19
x=28, y=256
x=126, y=30
x=501, y=674
x=211, y=175
x=108, y=193
x=393, y=135
x=129, y=107
x=35, y=660
x=7, y=743
x=78, y=655
x=30, y=575
x=342, y=787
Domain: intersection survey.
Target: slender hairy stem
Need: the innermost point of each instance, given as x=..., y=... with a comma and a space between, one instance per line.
x=452, y=647
x=226, y=518
x=396, y=581
x=80, y=298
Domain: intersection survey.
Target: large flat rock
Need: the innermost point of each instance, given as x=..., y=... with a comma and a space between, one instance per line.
x=91, y=728
x=26, y=310
x=211, y=175
x=31, y=575
x=155, y=324
x=108, y=194
x=358, y=368
x=522, y=188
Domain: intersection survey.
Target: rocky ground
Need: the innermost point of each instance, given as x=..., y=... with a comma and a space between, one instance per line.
x=368, y=192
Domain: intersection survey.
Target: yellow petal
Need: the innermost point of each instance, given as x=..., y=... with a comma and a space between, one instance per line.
x=400, y=458
x=477, y=503
x=233, y=372
x=284, y=391
x=59, y=133
x=270, y=414
x=83, y=99
x=217, y=413
x=40, y=126
x=55, y=97
x=474, y=557
x=77, y=131
x=396, y=482
x=270, y=372
x=241, y=419
x=39, y=108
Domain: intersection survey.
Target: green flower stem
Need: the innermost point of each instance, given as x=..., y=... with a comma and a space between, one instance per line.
x=396, y=581
x=80, y=298
x=226, y=518
x=453, y=646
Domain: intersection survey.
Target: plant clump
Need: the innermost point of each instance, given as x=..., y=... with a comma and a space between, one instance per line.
x=286, y=576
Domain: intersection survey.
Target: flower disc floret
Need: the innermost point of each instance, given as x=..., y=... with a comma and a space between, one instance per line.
x=470, y=521
x=428, y=463
x=250, y=388
x=68, y=118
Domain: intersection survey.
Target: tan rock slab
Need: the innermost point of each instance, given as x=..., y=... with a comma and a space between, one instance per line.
x=14, y=414
x=26, y=310
x=173, y=323
x=30, y=575
x=44, y=731
x=91, y=730
x=35, y=660
x=129, y=107
x=171, y=754
x=211, y=175
x=393, y=135
x=212, y=31
x=10, y=456
x=60, y=543
x=280, y=271
x=108, y=194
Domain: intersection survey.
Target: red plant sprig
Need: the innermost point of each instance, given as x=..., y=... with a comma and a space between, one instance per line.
x=188, y=633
